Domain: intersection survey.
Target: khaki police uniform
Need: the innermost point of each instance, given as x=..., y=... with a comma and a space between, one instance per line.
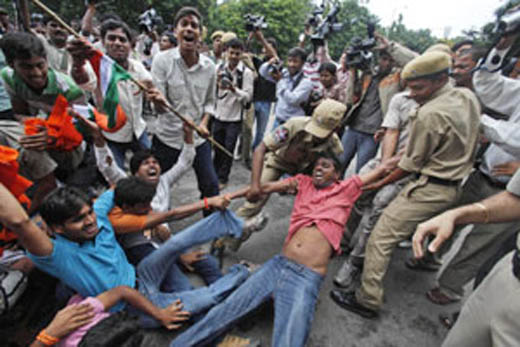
x=440, y=151
x=293, y=149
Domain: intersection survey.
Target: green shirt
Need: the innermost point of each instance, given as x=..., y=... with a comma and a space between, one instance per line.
x=57, y=83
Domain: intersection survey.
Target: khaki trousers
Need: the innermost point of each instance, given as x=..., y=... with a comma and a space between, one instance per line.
x=417, y=202
x=490, y=316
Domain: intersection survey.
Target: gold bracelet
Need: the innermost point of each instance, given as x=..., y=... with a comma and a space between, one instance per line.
x=484, y=209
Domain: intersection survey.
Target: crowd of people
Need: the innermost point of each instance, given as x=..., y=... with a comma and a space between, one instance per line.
x=87, y=186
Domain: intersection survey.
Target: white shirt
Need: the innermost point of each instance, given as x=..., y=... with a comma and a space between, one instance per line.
x=230, y=105
x=161, y=201
x=191, y=92
x=500, y=94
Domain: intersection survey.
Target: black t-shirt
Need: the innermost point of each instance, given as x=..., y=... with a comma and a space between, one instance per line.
x=264, y=89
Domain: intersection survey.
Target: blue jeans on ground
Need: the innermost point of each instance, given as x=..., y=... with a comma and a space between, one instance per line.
x=356, y=141
x=294, y=288
x=225, y=133
x=119, y=149
x=262, y=110
x=153, y=269
x=176, y=280
x=207, y=180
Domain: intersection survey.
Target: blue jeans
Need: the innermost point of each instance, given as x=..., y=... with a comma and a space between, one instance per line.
x=356, y=141
x=153, y=269
x=207, y=180
x=119, y=149
x=294, y=288
x=262, y=110
x=176, y=280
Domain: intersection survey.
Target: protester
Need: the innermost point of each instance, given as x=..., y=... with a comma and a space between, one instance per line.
x=188, y=80
x=293, y=278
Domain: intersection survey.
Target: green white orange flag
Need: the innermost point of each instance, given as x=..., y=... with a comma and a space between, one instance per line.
x=109, y=73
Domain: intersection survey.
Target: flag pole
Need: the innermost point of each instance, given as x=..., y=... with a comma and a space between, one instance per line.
x=144, y=88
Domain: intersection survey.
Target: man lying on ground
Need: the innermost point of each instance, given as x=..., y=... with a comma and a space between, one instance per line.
x=293, y=278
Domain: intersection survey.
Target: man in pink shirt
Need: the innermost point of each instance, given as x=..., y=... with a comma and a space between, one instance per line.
x=293, y=278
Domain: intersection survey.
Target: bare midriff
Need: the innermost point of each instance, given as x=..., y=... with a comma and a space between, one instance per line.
x=309, y=247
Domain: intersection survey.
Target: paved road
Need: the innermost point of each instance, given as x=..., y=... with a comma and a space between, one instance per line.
x=407, y=319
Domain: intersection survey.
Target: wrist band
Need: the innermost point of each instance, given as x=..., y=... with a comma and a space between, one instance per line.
x=47, y=339
x=206, y=206
x=485, y=210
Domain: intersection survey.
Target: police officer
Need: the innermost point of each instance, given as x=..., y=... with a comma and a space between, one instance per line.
x=440, y=152
x=292, y=148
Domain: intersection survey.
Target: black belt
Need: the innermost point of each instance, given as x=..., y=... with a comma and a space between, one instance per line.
x=492, y=182
x=441, y=181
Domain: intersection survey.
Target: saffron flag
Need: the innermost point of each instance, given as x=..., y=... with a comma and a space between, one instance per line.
x=109, y=73
x=60, y=127
x=16, y=184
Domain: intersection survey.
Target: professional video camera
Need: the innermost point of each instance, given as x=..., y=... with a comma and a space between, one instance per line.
x=327, y=26
x=508, y=23
x=36, y=18
x=359, y=53
x=255, y=22
x=314, y=19
x=148, y=20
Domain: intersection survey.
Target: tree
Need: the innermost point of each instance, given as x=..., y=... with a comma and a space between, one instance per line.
x=417, y=40
x=285, y=18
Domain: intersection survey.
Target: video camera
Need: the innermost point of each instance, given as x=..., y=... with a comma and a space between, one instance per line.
x=36, y=18
x=326, y=27
x=314, y=19
x=359, y=53
x=508, y=23
x=255, y=22
x=148, y=20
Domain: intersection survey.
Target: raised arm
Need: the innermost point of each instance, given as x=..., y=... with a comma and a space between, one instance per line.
x=14, y=217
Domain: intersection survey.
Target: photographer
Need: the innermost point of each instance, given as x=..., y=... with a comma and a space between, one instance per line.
x=264, y=92
x=373, y=91
x=234, y=92
x=292, y=87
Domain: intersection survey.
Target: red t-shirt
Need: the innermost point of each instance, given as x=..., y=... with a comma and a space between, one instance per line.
x=327, y=208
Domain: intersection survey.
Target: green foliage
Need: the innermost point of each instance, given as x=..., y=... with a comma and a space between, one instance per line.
x=285, y=18
x=417, y=40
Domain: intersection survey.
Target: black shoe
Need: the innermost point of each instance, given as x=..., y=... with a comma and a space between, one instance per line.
x=347, y=300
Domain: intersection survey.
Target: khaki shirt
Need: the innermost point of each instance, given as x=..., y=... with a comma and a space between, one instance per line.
x=293, y=149
x=443, y=135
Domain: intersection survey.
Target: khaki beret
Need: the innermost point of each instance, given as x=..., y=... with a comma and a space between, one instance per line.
x=326, y=118
x=216, y=34
x=228, y=37
x=439, y=47
x=425, y=65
